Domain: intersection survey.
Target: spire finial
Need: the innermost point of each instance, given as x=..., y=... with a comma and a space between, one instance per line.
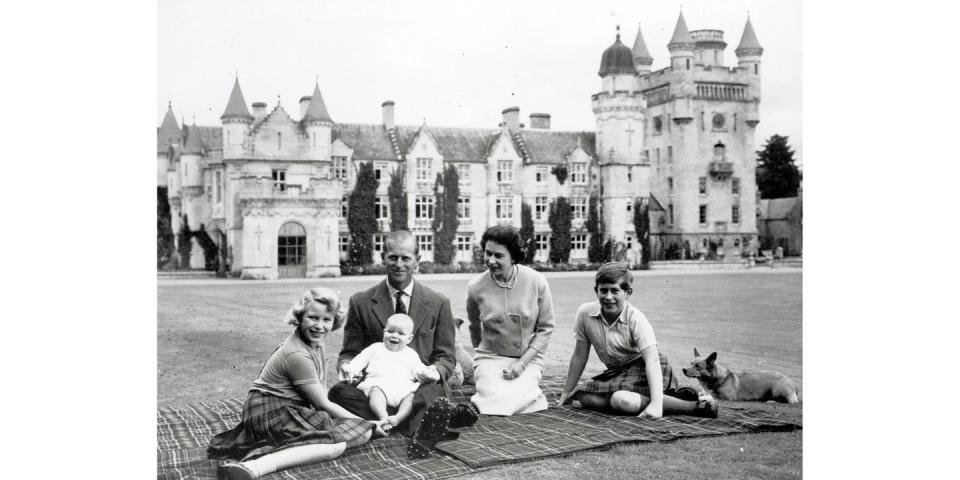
x=278, y=99
x=317, y=79
x=169, y=105
x=236, y=75
x=618, y=31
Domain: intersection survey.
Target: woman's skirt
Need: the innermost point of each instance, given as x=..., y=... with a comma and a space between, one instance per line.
x=633, y=378
x=499, y=396
x=270, y=423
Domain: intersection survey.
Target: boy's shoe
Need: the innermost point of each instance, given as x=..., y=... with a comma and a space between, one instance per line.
x=464, y=415
x=707, y=407
x=234, y=471
x=432, y=429
x=686, y=393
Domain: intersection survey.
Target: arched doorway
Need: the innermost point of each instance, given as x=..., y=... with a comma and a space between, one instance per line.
x=292, y=251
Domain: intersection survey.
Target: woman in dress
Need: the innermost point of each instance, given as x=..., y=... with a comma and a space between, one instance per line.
x=510, y=311
x=287, y=419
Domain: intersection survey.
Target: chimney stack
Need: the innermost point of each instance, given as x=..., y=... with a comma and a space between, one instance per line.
x=511, y=118
x=540, y=121
x=259, y=110
x=304, y=104
x=388, y=120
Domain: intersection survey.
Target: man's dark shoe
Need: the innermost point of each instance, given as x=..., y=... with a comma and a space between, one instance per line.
x=464, y=415
x=432, y=429
x=686, y=393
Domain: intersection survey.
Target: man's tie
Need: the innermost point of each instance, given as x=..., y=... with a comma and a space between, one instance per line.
x=400, y=307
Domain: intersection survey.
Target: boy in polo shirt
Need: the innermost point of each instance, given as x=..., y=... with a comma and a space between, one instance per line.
x=637, y=374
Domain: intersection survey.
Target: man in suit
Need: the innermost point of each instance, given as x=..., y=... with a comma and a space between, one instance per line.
x=434, y=334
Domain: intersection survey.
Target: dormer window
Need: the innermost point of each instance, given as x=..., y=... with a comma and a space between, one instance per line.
x=504, y=171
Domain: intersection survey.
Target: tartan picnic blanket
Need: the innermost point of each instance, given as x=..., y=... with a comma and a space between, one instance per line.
x=183, y=432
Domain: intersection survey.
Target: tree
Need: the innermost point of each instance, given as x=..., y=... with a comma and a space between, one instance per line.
x=361, y=215
x=164, y=228
x=560, y=219
x=184, y=243
x=777, y=175
x=641, y=226
x=446, y=191
x=211, y=252
x=526, y=233
x=595, y=248
x=398, y=200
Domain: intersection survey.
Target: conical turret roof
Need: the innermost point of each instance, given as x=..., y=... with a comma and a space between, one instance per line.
x=236, y=106
x=748, y=41
x=317, y=111
x=617, y=58
x=169, y=131
x=681, y=35
x=640, y=52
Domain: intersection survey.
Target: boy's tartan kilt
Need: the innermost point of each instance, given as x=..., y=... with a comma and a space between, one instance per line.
x=631, y=376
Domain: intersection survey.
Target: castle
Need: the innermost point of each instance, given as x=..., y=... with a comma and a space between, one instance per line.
x=270, y=189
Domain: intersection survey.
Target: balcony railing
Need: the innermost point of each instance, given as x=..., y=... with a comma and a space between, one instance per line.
x=721, y=170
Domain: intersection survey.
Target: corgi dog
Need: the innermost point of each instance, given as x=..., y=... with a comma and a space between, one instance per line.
x=726, y=384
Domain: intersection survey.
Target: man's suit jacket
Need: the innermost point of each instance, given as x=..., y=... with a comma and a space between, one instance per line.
x=434, y=330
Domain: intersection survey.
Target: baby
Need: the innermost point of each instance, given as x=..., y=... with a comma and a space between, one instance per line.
x=391, y=367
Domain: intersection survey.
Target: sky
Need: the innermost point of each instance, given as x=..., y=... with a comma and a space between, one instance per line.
x=448, y=63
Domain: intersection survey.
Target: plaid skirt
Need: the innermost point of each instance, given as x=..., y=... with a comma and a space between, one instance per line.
x=633, y=379
x=270, y=423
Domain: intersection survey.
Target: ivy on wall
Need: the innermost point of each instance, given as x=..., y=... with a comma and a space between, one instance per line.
x=560, y=219
x=361, y=215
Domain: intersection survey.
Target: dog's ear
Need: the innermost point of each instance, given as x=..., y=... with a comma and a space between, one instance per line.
x=695, y=352
x=712, y=357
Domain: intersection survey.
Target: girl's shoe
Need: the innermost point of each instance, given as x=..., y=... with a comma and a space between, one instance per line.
x=234, y=471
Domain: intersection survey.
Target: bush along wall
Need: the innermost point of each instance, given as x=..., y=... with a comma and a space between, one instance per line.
x=641, y=226
x=397, y=195
x=185, y=246
x=526, y=234
x=560, y=221
x=446, y=190
x=211, y=257
x=361, y=216
x=595, y=248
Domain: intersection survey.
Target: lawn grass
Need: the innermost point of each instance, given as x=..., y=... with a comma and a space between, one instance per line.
x=214, y=337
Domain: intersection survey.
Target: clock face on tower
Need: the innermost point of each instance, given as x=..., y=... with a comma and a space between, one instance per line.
x=719, y=121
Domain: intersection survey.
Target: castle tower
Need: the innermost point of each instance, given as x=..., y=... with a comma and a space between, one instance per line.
x=168, y=136
x=236, y=121
x=681, y=47
x=619, y=111
x=641, y=56
x=317, y=123
x=748, y=58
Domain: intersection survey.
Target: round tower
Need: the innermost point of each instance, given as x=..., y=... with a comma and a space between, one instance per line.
x=318, y=126
x=681, y=47
x=236, y=120
x=748, y=60
x=619, y=111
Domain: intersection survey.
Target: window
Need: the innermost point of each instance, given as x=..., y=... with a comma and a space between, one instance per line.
x=464, y=243
x=657, y=125
x=344, y=242
x=628, y=240
x=425, y=169
x=736, y=243
x=218, y=180
x=703, y=185
x=734, y=122
x=543, y=242
x=735, y=214
x=540, y=208
x=645, y=158
x=629, y=208
x=279, y=179
x=703, y=214
x=504, y=208
x=578, y=172
x=669, y=153
x=578, y=241
x=578, y=205
x=735, y=186
x=381, y=205
x=670, y=213
x=670, y=184
x=380, y=170
x=463, y=172
x=340, y=168
x=702, y=127
x=344, y=204
x=425, y=242
x=719, y=121
x=688, y=64
x=504, y=171
x=209, y=193
x=378, y=243
x=463, y=208
x=658, y=158
x=629, y=174
x=542, y=174
x=424, y=207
